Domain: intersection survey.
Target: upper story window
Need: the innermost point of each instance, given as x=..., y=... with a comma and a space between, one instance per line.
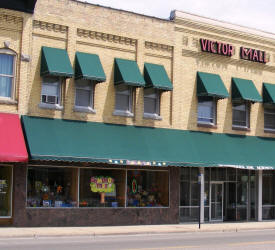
x=124, y=100
x=269, y=118
x=151, y=103
x=240, y=114
x=207, y=106
x=7, y=73
x=84, y=96
x=51, y=92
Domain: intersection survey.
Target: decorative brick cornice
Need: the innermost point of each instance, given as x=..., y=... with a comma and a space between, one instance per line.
x=106, y=37
x=49, y=26
x=10, y=19
x=158, y=46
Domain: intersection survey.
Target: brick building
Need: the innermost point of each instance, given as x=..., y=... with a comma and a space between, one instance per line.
x=123, y=114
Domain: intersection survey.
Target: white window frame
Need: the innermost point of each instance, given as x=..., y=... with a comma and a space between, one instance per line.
x=129, y=111
x=247, y=114
x=156, y=96
x=57, y=105
x=12, y=97
x=267, y=109
x=90, y=86
x=214, y=110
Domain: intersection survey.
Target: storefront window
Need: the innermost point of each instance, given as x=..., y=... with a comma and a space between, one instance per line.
x=147, y=188
x=5, y=191
x=268, y=195
x=189, y=194
x=102, y=188
x=52, y=187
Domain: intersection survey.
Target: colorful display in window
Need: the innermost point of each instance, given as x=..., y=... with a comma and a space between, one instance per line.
x=52, y=187
x=147, y=188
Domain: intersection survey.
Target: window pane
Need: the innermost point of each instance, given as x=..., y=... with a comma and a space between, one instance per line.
x=50, y=89
x=5, y=86
x=6, y=64
x=147, y=188
x=5, y=190
x=102, y=188
x=52, y=187
x=205, y=111
x=268, y=188
x=122, y=102
x=239, y=114
x=83, y=97
x=269, y=118
x=150, y=105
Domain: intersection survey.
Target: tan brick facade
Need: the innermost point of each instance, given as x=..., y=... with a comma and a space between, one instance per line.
x=110, y=33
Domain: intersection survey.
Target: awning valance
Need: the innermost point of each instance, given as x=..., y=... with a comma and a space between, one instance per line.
x=78, y=141
x=12, y=143
x=269, y=93
x=127, y=72
x=210, y=85
x=156, y=77
x=243, y=89
x=88, y=66
x=55, y=62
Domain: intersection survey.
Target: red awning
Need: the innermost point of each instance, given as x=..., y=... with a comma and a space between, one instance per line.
x=12, y=143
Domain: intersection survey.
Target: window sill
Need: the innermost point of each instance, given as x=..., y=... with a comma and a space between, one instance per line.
x=50, y=106
x=123, y=113
x=269, y=130
x=152, y=116
x=85, y=110
x=206, y=125
x=241, y=128
x=7, y=101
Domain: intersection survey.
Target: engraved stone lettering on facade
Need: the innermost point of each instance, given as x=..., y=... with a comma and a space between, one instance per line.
x=185, y=40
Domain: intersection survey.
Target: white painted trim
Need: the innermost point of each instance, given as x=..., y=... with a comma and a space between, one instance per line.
x=225, y=25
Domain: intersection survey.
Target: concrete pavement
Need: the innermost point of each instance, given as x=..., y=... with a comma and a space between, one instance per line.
x=9, y=232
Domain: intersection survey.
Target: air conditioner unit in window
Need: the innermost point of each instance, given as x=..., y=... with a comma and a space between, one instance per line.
x=51, y=99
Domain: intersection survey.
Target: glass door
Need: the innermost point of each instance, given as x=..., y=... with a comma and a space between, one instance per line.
x=5, y=191
x=216, y=201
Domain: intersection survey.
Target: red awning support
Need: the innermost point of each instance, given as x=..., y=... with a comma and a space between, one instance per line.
x=12, y=143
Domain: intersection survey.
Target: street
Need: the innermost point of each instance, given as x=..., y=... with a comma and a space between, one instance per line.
x=264, y=239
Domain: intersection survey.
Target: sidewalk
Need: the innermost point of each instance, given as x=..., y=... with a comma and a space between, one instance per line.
x=8, y=232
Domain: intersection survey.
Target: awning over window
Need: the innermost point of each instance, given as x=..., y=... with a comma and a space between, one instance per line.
x=12, y=143
x=127, y=72
x=210, y=85
x=88, y=66
x=243, y=89
x=269, y=93
x=55, y=62
x=78, y=141
x=156, y=77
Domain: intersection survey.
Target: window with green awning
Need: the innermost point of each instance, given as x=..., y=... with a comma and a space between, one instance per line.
x=127, y=72
x=55, y=62
x=243, y=89
x=269, y=93
x=89, y=67
x=211, y=85
x=156, y=77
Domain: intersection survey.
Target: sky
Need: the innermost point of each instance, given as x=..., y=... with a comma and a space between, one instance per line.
x=259, y=14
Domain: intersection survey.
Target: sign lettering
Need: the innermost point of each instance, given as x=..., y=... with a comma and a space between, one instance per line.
x=215, y=47
x=253, y=55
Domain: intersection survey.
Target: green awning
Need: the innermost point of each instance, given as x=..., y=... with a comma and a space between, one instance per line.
x=211, y=85
x=55, y=62
x=156, y=77
x=79, y=141
x=88, y=66
x=127, y=72
x=269, y=93
x=243, y=89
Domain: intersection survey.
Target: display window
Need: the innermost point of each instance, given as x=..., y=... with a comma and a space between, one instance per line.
x=5, y=191
x=102, y=188
x=147, y=188
x=52, y=187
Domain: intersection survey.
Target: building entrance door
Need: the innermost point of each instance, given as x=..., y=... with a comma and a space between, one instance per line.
x=216, y=201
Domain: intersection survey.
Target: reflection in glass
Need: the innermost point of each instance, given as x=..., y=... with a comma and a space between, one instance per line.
x=5, y=191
